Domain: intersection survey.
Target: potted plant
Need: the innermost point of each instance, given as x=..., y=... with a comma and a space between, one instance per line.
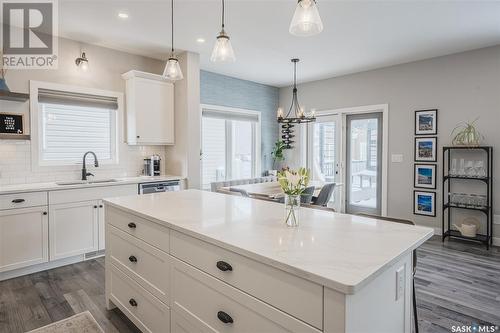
x=466, y=134
x=278, y=156
x=293, y=183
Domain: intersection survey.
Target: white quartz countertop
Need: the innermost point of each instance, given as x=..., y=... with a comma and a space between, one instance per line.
x=340, y=251
x=54, y=186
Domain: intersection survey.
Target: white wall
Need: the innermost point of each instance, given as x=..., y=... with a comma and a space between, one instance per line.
x=462, y=86
x=106, y=67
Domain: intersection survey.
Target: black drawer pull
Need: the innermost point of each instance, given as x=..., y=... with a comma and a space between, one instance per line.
x=100, y=206
x=95, y=206
x=44, y=213
x=133, y=302
x=18, y=200
x=132, y=259
x=224, y=266
x=224, y=317
x=132, y=225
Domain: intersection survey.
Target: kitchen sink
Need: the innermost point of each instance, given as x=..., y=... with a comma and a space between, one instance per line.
x=81, y=182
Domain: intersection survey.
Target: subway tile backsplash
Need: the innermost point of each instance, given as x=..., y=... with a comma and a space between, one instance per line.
x=16, y=166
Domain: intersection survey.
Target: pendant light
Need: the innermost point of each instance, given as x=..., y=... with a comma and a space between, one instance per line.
x=223, y=51
x=298, y=116
x=173, y=70
x=306, y=20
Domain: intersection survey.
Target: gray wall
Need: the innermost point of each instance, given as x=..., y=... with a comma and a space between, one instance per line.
x=462, y=86
x=227, y=91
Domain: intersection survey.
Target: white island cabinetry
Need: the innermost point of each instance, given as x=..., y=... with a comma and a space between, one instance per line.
x=207, y=262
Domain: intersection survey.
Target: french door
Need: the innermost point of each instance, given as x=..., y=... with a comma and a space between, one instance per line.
x=364, y=163
x=324, y=153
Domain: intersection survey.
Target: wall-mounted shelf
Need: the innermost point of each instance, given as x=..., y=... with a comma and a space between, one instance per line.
x=13, y=96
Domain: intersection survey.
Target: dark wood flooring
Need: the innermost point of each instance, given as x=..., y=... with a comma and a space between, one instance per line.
x=457, y=284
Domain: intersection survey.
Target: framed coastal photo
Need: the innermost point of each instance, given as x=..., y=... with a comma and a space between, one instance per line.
x=424, y=203
x=426, y=149
x=425, y=176
x=426, y=122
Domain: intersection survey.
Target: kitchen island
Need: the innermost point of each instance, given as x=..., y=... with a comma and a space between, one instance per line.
x=195, y=261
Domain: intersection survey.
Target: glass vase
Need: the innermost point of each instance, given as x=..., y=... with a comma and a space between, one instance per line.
x=292, y=206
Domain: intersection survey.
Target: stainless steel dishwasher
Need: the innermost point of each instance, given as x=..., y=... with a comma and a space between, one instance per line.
x=160, y=186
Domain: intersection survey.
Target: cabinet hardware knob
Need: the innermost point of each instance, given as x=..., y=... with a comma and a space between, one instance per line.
x=133, y=302
x=224, y=266
x=132, y=259
x=95, y=206
x=224, y=317
x=18, y=200
x=138, y=136
x=132, y=225
x=44, y=213
x=100, y=206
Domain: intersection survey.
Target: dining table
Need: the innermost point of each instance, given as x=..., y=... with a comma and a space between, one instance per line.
x=267, y=190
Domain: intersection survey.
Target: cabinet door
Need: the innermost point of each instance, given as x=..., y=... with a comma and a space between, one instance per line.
x=154, y=111
x=102, y=227
x=73, y=228
x=23, y=237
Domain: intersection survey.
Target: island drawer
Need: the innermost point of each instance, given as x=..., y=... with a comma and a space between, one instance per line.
x=289, y=293
x=150, y=232
x=206, y=301
x=145, y=264
x=23, y=200
x=145, y=310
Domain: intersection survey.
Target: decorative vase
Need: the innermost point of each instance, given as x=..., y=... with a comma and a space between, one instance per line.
x=3, y=85
x=292, y=206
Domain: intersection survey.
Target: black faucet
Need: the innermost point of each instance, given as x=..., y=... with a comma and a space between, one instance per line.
x=84, y=169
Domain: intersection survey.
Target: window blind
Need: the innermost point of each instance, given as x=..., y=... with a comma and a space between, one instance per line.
x=68, y=131
x=71, y=98
x=228, y=115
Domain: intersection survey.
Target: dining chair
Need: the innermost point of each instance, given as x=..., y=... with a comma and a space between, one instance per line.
x=324, y=195
x=307, y=195
x=240, y=191
x=396, y=220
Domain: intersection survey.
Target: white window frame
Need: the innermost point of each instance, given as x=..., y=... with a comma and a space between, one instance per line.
x=256, y=137
x=36, y=126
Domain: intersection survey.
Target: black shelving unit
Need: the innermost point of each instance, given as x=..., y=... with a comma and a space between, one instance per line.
x=448, y=207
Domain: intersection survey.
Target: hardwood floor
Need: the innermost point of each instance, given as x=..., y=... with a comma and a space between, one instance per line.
x=457, y=284
x=35, y=300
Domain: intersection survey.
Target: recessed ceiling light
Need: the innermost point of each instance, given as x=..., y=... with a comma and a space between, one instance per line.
x=123, y=15
x=200, y=40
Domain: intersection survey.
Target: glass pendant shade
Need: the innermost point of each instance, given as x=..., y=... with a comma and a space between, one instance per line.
x=306, y=20
x=173, y=69
x=223, y=51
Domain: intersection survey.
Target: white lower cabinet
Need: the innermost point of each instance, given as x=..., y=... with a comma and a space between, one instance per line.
x=23, y=237
x=146, y=311
x=73, y=229
x=101, y=227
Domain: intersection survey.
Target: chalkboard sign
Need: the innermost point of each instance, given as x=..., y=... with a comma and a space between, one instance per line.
x=11, y=123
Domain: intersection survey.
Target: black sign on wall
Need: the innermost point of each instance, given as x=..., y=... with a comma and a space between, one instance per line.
x=11, y=123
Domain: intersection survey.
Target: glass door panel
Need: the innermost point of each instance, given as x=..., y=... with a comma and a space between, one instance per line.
x=364, y=173
x=213, y=145
x=242, y=148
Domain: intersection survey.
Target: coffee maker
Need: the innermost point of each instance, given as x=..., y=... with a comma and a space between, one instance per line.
x=152, y=166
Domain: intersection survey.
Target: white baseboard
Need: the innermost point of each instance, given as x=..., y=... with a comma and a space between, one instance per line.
x=49, y=265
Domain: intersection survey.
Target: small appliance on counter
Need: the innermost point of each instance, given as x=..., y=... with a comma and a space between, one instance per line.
x=152, y=166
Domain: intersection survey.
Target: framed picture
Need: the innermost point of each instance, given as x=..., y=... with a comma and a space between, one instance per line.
x=426, y=149
x=425, y=176
x=426, y=122
x=424, y=203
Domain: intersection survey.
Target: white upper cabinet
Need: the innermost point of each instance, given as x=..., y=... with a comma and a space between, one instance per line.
x=150, y=109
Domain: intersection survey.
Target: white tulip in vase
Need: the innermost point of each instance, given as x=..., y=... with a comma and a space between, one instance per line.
x=293, y=183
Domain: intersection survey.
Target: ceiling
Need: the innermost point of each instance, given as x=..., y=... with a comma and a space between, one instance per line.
x=357, y=35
